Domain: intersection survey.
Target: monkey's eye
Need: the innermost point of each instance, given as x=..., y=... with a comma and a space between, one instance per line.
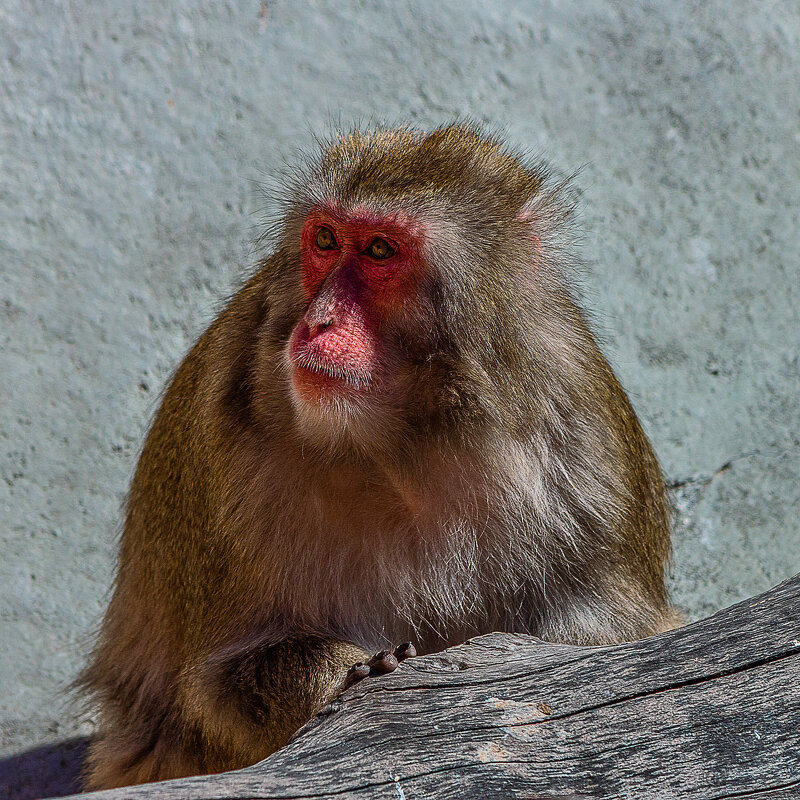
x=380, y=249
x=325, y=239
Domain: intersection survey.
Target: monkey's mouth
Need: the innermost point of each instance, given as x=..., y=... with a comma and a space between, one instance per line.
x=316, y=378
x=321, y=369
x=327, y=366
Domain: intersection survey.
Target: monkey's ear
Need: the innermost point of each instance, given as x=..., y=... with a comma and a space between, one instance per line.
x=527, y=215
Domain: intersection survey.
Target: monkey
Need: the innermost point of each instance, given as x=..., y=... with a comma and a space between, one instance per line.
x=400, y=430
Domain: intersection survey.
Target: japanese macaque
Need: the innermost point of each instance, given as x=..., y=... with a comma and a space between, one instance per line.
x=399, y=430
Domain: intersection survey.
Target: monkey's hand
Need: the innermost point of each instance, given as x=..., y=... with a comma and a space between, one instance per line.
x=380, y=664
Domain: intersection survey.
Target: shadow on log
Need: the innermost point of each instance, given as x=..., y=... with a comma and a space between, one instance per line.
x=711, y=710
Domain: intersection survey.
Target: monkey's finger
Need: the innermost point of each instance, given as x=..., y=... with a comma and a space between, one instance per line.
x=382, y=663
x=404, y=651
x=355, y=674
x=381, y=654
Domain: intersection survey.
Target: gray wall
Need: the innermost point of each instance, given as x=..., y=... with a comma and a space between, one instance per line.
x=131, y=138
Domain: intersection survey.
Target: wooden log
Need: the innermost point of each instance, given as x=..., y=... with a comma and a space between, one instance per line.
x=711, y=710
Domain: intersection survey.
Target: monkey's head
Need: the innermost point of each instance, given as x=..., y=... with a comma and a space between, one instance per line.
x=412, y=279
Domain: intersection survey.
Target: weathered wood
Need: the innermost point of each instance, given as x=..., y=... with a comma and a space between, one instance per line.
x=708, y=711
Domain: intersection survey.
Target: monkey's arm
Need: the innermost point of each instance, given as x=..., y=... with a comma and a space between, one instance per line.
x=228, y=709
x=250, y=699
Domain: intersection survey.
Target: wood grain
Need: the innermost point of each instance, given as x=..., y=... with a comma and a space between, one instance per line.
x=708, y=711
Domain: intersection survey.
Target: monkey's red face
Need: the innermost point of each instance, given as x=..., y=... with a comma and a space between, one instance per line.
x=358, y=270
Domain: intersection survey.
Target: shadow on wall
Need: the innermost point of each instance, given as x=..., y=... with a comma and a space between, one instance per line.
x=48, y=771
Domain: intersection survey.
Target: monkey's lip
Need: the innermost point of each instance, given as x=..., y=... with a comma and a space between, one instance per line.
x=322, y=374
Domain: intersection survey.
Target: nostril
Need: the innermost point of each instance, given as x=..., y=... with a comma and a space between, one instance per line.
x=318, y=327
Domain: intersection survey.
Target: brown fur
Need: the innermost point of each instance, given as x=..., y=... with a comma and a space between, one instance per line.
x=505, y=483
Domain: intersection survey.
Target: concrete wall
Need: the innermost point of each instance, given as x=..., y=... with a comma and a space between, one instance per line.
x=132, y=135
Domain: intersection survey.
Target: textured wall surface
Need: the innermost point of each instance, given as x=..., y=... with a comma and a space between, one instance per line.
x=132, y=138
